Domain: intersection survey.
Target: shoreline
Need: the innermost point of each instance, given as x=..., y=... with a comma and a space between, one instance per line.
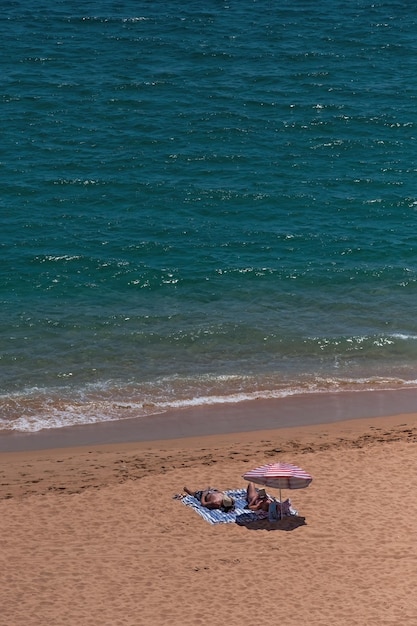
x=222, y=419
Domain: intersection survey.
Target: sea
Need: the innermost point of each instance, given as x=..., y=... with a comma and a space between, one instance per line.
x=204, y=203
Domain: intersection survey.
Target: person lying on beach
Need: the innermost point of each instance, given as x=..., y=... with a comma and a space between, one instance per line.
x=258, y=499
x=213, y=498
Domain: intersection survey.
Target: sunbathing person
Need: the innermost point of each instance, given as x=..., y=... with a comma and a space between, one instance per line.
x=213, y=498
x=258, y=499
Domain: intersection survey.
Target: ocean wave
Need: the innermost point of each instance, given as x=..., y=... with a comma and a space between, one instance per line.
x=38, y=409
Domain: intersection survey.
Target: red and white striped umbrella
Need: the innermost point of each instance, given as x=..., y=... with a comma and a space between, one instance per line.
x=279, y=476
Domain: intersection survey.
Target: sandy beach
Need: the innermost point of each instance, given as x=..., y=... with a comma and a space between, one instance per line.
x=92, y=535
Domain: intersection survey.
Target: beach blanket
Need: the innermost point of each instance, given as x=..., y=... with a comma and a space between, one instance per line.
x=240, y=514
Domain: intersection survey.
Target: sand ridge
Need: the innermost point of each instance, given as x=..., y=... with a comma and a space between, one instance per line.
x=75, y=470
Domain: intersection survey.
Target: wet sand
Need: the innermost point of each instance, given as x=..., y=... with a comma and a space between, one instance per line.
x=256, y=415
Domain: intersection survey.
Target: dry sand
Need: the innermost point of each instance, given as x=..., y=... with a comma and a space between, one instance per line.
x=91, y=536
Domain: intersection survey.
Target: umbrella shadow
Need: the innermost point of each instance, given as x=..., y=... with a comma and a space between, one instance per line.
x=288, y=523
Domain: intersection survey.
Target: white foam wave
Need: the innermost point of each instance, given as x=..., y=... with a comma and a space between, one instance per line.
x=36, y=410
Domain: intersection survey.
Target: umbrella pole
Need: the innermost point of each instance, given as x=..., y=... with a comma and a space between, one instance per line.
x=280, y=503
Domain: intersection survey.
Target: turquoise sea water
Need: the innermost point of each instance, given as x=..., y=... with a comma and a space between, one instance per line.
x=204, y=202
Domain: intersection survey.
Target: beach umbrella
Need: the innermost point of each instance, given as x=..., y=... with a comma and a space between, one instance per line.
x=279, y=476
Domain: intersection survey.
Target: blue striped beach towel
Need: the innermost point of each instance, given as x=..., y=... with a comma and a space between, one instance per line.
x=239, y=515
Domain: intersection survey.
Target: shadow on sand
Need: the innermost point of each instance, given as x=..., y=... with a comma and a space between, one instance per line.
x=287, y=523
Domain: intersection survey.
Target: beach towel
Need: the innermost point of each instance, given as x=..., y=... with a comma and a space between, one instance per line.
x=239, y=515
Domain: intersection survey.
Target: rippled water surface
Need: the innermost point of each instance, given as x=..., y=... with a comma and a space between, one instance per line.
x=204, y=203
